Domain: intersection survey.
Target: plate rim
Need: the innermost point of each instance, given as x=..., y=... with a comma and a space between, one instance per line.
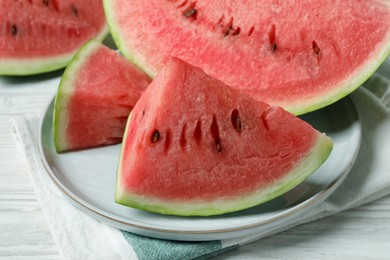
x=84, y=206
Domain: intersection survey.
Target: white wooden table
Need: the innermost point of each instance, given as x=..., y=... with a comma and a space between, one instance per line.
x=360, y=233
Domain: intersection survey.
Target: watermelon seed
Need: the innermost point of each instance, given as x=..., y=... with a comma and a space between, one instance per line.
x=215, y=133
x=273, y=47
x=316, y=50
x=14, y=29
x=236, y=120
x=45, y=2
x=143, y=112
x=236, y=31
x=219, y=21
x=251, y=30
x=183, y=3
x=284, y=155
x=230, y=28
x=198, y=131
x=75, y=11
x=183, y=140
x=155, y=136
x=272, y=37
x=190, y=13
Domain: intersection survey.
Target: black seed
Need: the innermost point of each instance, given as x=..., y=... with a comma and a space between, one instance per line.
x=183, y=140
x=14, y=29
x=273, y=46
x=190, y=12
x=272, y=37
x=75, y=11
x=236, y=120
x=45, y=2
x=198, y=131
x=227, y=32
x=315, y=47
x=143, y=112
x=317, y=51
x=214, y=129
x=155, y=136
x=236, y=31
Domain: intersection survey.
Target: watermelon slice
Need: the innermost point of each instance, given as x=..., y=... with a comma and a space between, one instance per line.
x=194, y=146
x=38, y=36
x=301, y=55
x=96, y=94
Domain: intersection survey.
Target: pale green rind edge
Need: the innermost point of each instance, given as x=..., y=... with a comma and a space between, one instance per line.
x=64, y=93
x=31, y=66
x=308, y=165
x=301, y=106
x=120, y=42
x=354, y=81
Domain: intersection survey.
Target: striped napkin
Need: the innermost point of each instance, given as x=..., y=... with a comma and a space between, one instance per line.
x=79, y=236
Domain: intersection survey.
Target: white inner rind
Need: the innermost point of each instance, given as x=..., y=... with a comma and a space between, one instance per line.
x=319, y=153
x=65, y=92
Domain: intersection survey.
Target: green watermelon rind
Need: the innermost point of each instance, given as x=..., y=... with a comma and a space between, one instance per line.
x=25, y=67
x=306, y=167
x=297, y=107
x=38, y=65
x=65, y=92
x=350, y=84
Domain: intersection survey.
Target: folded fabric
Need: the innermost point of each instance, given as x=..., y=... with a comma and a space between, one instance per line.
x=79, y=236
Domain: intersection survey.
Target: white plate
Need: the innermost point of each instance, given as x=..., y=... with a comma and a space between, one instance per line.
x=88, y=179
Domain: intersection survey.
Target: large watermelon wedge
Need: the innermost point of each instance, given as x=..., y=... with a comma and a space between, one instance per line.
x=194, y=146
x=96, y=94
x=301, y=55
x=43, y=35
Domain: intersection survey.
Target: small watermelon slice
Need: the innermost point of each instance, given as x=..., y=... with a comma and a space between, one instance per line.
x=301, y=55
x=96, y=94
x=39, y=36
x=194, y=146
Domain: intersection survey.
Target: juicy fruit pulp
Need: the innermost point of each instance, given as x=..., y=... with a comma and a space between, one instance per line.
x=38, y=36
x=96, y=94
x=194, y=146
x=301, y=55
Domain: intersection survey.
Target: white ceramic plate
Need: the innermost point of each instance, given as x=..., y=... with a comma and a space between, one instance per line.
x=88, y=179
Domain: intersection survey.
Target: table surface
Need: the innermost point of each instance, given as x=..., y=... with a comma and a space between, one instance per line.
x=359, y=233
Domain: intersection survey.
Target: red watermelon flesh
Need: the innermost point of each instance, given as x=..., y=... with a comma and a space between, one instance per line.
x=301, y=55
x=38, y=36
x=97, y=92
x=194, y=146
